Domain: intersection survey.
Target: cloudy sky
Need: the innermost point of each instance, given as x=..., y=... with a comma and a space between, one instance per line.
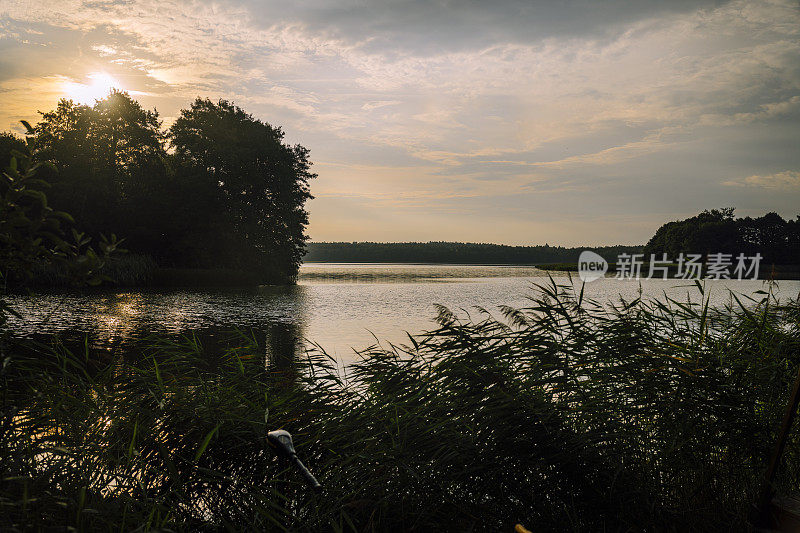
x=510, y=121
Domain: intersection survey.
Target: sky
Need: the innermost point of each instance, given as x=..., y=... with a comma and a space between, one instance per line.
x=519, y=122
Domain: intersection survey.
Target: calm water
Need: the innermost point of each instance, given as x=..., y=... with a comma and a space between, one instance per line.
x=339, y=306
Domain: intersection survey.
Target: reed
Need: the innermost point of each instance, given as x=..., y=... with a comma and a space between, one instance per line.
x=565, y=415
x=124, y=270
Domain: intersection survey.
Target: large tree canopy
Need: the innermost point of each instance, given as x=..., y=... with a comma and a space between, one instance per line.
x=240, y=162
x=230, y=193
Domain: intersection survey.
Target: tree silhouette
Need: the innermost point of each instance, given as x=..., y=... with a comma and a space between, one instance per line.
x=718, y=231
x=112, y=167
x=242, y=163
x=230, y=195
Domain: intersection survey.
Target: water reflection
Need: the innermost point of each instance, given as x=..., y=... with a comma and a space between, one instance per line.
x=117, y=315
x=312, y=273
x=273, y=316
x=284, y=344
x=340, y=307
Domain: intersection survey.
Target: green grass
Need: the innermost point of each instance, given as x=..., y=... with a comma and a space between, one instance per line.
x=562, y=416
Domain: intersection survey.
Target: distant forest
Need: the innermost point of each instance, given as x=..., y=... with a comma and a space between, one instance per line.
x=452, y=252
x=714, y=231
x=216, y=190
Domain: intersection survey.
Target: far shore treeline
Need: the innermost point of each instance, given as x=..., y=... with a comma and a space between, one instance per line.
x=218, y=191
x=710, y=232
x=452, y=252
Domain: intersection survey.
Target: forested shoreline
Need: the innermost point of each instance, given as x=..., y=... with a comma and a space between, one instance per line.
x=710, y=232
x=450, y=252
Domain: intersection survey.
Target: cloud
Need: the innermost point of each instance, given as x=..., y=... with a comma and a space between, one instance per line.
x=369, y=106
x=424, y=28
x=788, y=180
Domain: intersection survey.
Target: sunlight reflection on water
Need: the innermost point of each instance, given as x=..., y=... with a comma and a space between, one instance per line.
x=338, y=306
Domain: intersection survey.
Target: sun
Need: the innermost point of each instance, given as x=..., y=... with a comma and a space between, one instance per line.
x=99, y=86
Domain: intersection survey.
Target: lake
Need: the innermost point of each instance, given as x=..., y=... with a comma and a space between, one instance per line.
x=338, y=306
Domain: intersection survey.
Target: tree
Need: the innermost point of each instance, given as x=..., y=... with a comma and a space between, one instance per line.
x=10, y=143
x=232, y=194
x=225, y=157
x=113, y=167
x=33, y=233
x=718, y=231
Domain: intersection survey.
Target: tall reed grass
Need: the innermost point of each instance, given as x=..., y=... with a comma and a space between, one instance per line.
x=565, y=415
x=128, y=270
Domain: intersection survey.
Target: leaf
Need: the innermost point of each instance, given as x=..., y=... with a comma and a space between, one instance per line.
x=205, y=443
x=64, y=216
x=133, y=438
x=38, y=195
x=37, y=182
